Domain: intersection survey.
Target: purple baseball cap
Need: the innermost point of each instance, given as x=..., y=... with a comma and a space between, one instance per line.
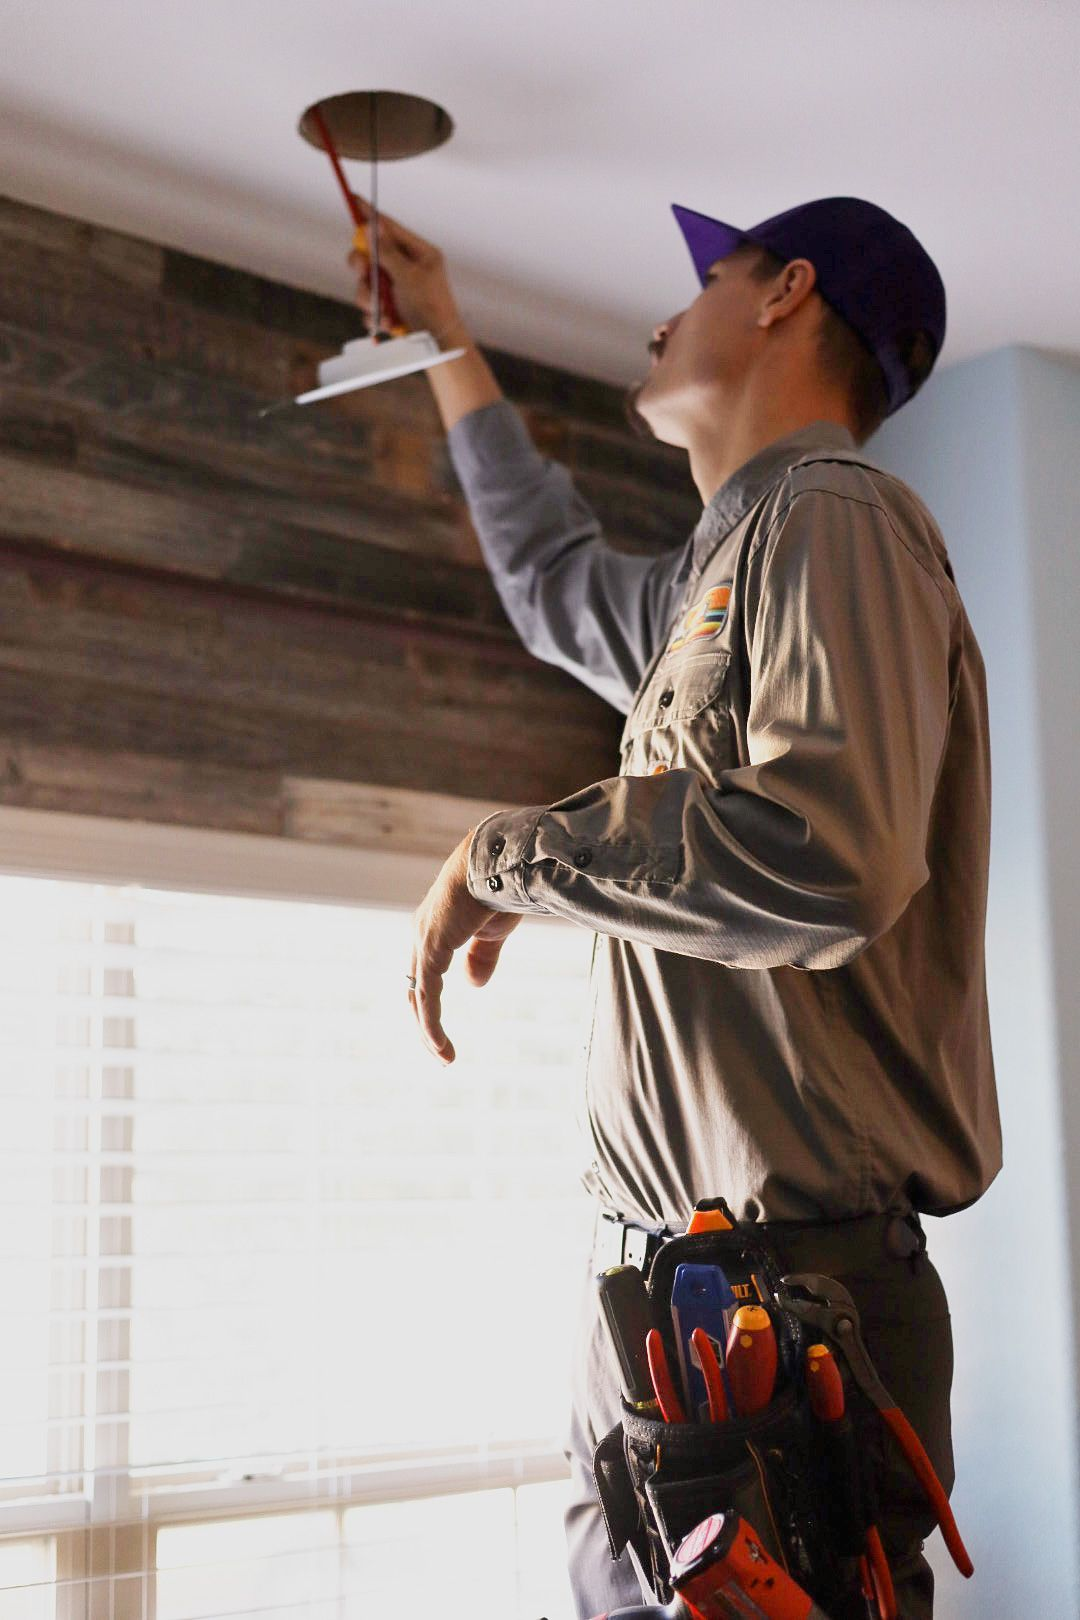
x=870, y=268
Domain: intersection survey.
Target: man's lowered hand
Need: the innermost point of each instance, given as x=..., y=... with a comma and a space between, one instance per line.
x=447, y=918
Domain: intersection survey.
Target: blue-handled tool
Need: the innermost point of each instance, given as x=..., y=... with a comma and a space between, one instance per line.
x=701, y=1297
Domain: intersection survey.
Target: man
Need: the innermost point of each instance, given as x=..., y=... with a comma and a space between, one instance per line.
x=787, y=877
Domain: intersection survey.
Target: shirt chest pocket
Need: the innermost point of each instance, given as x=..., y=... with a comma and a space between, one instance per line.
x=681, y=720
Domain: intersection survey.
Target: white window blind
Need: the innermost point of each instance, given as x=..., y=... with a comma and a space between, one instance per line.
x=278, y=1292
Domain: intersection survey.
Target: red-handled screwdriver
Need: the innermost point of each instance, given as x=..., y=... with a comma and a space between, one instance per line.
x=824, y=1385
x=751, y=1359
x=360, y=218
x=825, y=1388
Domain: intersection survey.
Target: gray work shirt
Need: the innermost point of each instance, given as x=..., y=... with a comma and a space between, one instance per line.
x=787, y=877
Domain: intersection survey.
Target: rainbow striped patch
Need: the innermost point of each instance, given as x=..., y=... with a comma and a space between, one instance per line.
x=706, y=618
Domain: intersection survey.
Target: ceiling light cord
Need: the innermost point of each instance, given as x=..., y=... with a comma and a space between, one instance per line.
x=375, y=324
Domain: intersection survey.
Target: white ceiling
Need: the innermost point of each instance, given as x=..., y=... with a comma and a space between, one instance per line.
x=577, y=123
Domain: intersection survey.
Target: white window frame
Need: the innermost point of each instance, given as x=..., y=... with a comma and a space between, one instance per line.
x=402, y=839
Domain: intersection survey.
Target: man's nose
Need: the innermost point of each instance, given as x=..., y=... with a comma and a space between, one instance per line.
x=661, y=332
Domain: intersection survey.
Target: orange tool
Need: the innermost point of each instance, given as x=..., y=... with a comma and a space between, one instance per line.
x=826, y=1305
x=751, y=1359
x=824, y=1384
x=710, y=1371
x=711, y=1215
x=825, y=1387
x=359, y=218
x=721, y=1570
x=670, y=1405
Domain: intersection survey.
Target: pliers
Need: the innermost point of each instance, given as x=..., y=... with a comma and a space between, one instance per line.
x=825, y=1305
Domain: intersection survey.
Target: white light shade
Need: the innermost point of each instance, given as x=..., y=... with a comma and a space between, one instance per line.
x=364, y=362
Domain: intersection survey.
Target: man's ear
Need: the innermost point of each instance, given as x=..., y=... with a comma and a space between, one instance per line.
x=791, y=288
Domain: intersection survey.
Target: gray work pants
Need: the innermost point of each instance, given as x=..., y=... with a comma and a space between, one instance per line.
x=904, y=1316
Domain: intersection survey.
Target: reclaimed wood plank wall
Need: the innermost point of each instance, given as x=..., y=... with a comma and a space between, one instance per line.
x=199, y=609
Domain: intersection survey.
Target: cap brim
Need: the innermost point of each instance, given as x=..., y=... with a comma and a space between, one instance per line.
x=708, y=239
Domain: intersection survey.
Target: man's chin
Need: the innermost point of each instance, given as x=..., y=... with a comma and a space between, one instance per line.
x=638, y=424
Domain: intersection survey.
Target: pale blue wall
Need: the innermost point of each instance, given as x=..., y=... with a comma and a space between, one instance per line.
x=993, y=447
x=1050, y=428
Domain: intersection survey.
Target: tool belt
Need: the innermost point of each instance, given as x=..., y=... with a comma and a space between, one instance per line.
x=802, y=1483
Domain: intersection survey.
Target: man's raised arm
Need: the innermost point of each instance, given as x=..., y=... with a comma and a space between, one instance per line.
x=574, y=600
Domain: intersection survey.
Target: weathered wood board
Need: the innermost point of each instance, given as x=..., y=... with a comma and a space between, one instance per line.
x=199, y=608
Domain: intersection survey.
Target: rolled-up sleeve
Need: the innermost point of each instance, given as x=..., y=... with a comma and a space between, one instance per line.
x=813, y=847
x=574, y=600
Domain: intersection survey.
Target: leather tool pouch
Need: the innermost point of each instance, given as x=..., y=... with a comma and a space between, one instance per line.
x=657, y=1480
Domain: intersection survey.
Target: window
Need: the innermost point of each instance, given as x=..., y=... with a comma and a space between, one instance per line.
x=283, y=1298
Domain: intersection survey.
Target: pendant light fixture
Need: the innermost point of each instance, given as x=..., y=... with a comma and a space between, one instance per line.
x=377, y=125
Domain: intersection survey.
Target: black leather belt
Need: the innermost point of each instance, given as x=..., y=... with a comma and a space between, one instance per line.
x=827, y=1246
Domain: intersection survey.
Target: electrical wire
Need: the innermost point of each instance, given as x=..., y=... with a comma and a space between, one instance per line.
x=374, y=237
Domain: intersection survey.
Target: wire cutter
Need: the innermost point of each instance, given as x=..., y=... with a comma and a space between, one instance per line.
x=826, y=1305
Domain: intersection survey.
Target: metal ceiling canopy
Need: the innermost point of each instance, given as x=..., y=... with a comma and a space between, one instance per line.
x=378, y=124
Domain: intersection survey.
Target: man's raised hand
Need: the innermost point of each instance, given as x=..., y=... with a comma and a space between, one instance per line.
x=417, y=270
